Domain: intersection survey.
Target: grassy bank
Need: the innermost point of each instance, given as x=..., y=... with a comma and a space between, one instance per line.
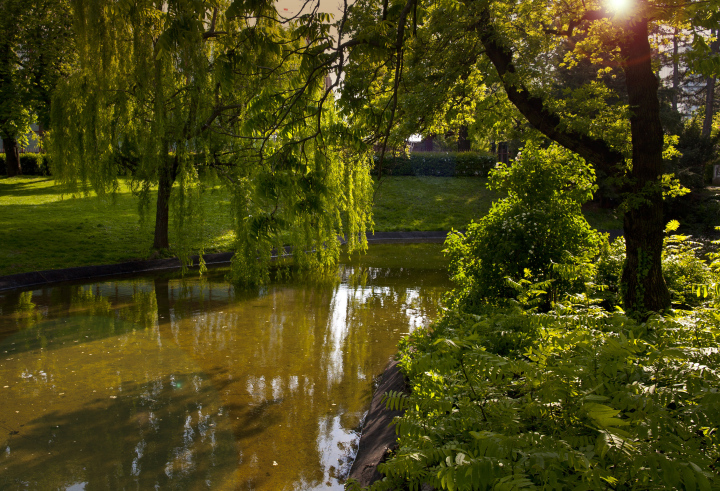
x=42, y=228
x=46, y=229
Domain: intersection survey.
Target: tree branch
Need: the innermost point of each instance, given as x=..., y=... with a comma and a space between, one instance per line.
x=534, y=109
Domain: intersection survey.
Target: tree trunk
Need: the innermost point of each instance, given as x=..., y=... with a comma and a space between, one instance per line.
x=12, y=157
x=710, y=94
x=643, y=285
x=166, y=170
x=166, y=178
x=463, y=141
x=676, y=72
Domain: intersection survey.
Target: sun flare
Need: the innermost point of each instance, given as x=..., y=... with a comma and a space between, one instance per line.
x=619, y=5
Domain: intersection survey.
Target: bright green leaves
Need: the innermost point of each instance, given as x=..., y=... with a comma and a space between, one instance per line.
x=195, y=91
x=528, y=234
x=595, y=402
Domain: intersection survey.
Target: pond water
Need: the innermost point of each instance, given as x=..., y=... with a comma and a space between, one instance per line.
x=159, y=382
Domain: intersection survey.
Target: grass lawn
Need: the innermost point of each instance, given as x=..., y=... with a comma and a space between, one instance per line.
x=430, y=203
x=445, y=203
x=42, y=228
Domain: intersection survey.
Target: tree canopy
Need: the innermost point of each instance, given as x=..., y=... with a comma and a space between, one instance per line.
x=165, y=89
x=169, y=91
x=430, y=65
x=34, y=48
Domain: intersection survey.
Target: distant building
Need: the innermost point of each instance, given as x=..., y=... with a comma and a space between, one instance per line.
x=33, y=141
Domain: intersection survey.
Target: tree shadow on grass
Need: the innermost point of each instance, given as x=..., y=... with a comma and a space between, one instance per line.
x=26, y=186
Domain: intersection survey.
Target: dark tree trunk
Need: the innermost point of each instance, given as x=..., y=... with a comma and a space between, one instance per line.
x=710, y=94
x=166, y=178
x=676, y=72
x=463, y=140
x=643, y=285
x=12, y=157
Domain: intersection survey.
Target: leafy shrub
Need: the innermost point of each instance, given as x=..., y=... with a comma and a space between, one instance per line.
x=515, y=400
x=683, y=269
x=439, y=164
x=697, y=153
x=32, y=164
x=538, y=225
x=608, y=272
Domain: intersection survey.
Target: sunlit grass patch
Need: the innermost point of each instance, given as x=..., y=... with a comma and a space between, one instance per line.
x=44, y=227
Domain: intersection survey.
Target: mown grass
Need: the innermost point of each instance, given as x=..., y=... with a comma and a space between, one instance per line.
x=430, y=203
x=44, y=228
x=446, y=203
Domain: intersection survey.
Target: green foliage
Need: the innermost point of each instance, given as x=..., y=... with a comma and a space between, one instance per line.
x=684, y=269
x=32, y=164
x=693, y=166
x=508, y=399
x=696, y=154
x=225, y=86
x=610, y=263
x=440, y=164
x=539, y=224
x=35, y=44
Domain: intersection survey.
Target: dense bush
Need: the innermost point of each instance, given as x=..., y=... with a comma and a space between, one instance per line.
x=32, y=164
x=538, y=226
x=597, y=401
x=440, y=164
x=683, y=269
x=582, y=396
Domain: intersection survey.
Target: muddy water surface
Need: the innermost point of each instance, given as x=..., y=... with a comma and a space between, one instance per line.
x=163, y=382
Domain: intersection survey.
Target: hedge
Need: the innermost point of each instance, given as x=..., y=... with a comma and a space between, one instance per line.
x=32, y=164
x=441, y=164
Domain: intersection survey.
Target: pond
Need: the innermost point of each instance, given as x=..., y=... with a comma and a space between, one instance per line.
x=189, y=383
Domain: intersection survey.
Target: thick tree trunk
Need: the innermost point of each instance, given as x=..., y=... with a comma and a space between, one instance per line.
x=12, y=157
x=643, y=285
x=463, y=141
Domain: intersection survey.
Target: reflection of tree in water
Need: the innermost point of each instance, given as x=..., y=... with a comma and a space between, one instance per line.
x=164, y=433
x=143, y=309
x=292, y=363
x=26, y=313
x=85, y=301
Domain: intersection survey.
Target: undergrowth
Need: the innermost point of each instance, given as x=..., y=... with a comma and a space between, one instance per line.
x=544, y=382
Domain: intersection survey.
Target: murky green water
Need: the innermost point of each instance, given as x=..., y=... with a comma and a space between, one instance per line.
x=159, y=382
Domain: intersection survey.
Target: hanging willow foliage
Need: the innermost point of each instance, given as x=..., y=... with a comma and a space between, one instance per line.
x=168, y=92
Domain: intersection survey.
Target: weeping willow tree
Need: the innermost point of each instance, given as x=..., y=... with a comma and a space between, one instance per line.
x=166, y=91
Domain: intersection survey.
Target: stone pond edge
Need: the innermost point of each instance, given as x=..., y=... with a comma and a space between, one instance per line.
x=378, y=437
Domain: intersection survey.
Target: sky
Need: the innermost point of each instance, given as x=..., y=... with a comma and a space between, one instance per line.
x=291, y=7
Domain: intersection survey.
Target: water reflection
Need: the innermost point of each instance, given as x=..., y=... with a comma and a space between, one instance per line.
x=192, y=384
